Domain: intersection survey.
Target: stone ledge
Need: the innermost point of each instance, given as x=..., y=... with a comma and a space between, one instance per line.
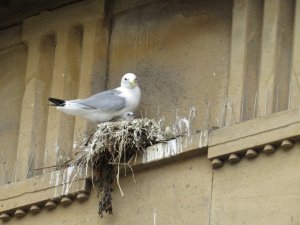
x=33, y=194
x=231, y=143
x=261, y=134
x=63, y=186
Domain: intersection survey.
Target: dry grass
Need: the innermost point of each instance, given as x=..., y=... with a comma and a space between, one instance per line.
x=114, y=144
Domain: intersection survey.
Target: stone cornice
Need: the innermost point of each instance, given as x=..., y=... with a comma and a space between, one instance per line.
x=266, y=134
x=247, y=139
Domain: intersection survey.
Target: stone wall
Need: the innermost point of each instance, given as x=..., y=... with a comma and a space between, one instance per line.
x=236, y=62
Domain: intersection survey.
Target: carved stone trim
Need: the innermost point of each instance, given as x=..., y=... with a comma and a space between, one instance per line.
x=47, y=191
x=265, y=134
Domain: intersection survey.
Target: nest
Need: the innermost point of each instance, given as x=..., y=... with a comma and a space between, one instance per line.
x=112, y=145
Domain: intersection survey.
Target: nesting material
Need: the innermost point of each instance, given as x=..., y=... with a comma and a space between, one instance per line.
x=115, y=145
x=116, y=140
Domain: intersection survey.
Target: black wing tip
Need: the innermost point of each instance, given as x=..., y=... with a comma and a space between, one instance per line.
x=57, y=102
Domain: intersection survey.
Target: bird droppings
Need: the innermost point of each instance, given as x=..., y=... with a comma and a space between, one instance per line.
x=112, y=146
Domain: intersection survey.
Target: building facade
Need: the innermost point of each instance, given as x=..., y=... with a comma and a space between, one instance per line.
x=230, y=67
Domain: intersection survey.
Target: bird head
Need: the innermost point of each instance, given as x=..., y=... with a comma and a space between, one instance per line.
x=129, y=80
x=129, y=116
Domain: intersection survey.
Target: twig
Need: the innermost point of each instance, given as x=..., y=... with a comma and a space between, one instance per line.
x=118, y=181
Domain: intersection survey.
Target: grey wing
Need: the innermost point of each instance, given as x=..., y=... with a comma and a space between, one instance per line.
x=107, y=101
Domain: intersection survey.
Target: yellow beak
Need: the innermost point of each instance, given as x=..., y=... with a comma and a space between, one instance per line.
x=132, y=83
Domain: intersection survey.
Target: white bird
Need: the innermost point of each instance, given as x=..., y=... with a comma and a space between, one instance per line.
x=128, y=116
x=106, y=105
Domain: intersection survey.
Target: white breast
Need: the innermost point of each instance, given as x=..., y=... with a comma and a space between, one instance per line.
x=132, y=96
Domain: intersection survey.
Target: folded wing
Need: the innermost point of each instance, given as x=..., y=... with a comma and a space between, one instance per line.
x=109, y=100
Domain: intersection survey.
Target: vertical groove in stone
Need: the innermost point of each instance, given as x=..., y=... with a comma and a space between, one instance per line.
x=275, y=68
x=52, y=147
x=294, y=98
x=43, y=87
x=237, y=59
x=252, y=57
x=283, y=55
x=13, y=61
x=245, y=55
x=27, y=114
x=268, y=55
x=70, y=90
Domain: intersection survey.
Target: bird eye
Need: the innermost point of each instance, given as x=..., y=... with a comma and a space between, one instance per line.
x=125, y=78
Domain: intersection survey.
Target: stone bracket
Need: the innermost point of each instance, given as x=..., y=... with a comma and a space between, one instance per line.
x=264, y=133
x=31, y=195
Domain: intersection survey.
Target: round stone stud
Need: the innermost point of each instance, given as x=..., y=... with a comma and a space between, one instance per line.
x=286, y=144
x=34, y=209
x=269, y=149
x=251, y=153
x=4, y=217
x=50, y=205
x=66, y=200
x=216, y=163
x=20, y=213
x=234, y=158
x=82, y=196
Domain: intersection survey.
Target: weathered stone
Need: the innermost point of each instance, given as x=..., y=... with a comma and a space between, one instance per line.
x=4, y=217
x=34, y=209
x=50, y=205
x=234, y=158
x=66, y=200
x=269, y=149
x=216, y=163
x=251, y=153
x=20, y=213
x=82, y=196
x=286, y=144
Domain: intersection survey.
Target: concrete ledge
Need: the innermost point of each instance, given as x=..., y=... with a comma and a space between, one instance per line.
x=63, y=186
x=47, y=191
x=248, y=138
x=255, y=134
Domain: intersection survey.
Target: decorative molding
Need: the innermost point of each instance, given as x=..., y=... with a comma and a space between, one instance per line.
x=265, y=134
x=47, y=191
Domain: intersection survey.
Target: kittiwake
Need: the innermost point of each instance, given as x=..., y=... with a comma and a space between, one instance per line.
x=106, y=105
